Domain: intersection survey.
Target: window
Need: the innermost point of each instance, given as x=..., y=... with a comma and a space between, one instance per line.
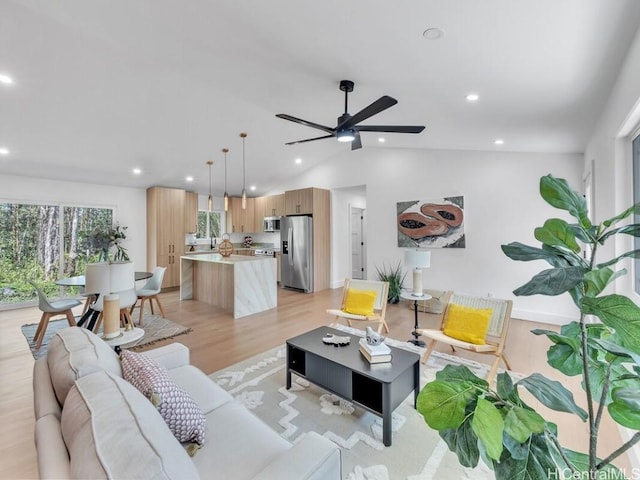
x=44, y=243
x=209, y=224
x=636, y=199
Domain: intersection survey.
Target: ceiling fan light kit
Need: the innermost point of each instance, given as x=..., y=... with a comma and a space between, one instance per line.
x=348, y=128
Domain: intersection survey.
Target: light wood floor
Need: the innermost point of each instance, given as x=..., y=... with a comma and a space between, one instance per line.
x=218, y=341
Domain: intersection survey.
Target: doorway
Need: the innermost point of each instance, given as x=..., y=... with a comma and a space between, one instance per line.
x=358, y=263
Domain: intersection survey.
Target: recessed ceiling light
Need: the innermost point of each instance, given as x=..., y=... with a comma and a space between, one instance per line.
x=4, y=151
x=499, y=141
x=298, y=161
x=472, y=97
x=137, y=171
x=381, y=140
x=433, y=33
x=252, y=187
x=6, y=79
x=189, y=178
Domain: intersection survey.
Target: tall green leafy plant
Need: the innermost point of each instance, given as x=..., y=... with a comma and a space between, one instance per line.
x=395, y=276
x=477, y=420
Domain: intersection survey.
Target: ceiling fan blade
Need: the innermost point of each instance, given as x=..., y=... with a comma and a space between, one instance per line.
x=356, y=143
x=304, y=122
x=376, y=107
x=391, y=128
x=309, y=139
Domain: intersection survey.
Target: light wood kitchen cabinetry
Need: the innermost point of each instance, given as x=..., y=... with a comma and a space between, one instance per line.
x=274, y=206
x=165, y=232
x=190, y=212
x=240, y=220
x=299, y=202
x=258, y=213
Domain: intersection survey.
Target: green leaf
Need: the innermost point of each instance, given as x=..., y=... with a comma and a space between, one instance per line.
x=556, y=192
x=536, y=463
x=464, y=443
x=520, y=423
x=557, y=232
x=597, y=280
x=565, y=359
x=570, y=338
x=460, y=374
x=552, y=394
x=442, y=404
x=488, y=425
x=631, y=254
x=524, y=253
x=553, y=281
x=581, y=462
x=619, y=313
x=506, y=389
x=625, y=406
x=616, y=349
x=632, y=209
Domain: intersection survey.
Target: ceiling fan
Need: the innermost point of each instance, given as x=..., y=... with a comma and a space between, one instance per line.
x=347, y=128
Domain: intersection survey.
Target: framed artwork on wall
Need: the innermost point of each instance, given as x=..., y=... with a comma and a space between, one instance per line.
x=437, y=223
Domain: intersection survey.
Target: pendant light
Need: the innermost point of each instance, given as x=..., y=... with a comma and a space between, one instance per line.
x=244, y=192
x=210, y=202
x=226, y=195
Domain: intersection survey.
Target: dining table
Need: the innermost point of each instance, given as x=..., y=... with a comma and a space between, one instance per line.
x=90, y=316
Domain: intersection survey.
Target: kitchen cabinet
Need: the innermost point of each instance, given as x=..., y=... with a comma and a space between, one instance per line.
x=258, y=213
x=165, y=232
x=241, y=220
x=299, y=202
x=274, y=206
x=190, y=212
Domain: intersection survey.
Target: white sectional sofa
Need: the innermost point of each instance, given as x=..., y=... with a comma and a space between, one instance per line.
x=91, y=423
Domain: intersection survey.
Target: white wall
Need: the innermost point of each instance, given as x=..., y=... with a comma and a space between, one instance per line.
x=611, y=153
x=502, y=205
x=129, y=204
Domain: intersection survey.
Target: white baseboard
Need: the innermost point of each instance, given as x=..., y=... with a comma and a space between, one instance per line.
x=542, y=317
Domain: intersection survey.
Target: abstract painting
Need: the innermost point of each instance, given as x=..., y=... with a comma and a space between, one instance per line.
x=435, y=223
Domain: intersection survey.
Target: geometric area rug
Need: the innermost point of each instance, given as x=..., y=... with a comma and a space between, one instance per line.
x=155, y=327
x=417, y=452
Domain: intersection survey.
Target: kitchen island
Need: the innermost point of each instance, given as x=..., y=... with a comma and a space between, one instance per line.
x=242, y=285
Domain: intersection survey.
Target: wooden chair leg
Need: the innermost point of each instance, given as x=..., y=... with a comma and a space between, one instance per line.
x=157, y=299
x=506, y=361
x=494, y=370
x=427, y=353
x=70, y=318
x=142, y=299
x=127, y=322
x=43, y=330
x=386, y=327
x=40, y=325
x=96, y=328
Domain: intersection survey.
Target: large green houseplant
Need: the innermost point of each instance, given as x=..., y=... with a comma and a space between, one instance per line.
x=603, y=347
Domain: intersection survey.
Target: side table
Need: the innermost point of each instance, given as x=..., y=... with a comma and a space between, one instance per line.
x=405, y=295
x=124, y=338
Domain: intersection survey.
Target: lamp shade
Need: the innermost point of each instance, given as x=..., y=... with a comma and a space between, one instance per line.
x=417, y=259
x=102, y=278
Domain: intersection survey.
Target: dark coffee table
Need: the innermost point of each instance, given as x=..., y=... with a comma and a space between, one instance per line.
x=378, y=388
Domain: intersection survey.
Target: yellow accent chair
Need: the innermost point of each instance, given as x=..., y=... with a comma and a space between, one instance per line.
x=363, y=300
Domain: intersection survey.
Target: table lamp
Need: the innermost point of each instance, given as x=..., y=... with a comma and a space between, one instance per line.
x=108, y=279
x=417, y=259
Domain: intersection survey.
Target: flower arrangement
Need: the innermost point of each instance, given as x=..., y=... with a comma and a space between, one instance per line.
x=107, y=243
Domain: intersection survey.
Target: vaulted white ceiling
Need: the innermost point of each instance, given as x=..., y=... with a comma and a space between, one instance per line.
x=103, y=86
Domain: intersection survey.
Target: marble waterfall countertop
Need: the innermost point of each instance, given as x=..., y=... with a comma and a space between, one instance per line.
x=240, y=284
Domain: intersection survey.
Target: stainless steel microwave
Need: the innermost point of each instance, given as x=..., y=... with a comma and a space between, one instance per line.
x=271, y=224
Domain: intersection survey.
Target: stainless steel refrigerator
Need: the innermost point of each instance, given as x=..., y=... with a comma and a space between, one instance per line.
x=296, y=269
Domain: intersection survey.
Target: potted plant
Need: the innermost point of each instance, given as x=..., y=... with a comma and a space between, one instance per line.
x=108, y=244
x=395, y=277
x=477, y=420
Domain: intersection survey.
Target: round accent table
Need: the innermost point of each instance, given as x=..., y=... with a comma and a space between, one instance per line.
x=124, y=338
x=406, y=295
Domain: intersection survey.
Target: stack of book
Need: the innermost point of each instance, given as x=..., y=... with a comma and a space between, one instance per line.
x=380, y=353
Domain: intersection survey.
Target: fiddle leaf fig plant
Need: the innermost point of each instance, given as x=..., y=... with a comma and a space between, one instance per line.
x=493, y=423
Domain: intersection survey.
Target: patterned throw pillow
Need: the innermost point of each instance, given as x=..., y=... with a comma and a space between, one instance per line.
x=182, y=414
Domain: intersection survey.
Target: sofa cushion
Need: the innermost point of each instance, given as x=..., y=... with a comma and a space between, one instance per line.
x=75, y=352
x=112, y=431
x=207, y=394
x=182, y=414
x=239, y=444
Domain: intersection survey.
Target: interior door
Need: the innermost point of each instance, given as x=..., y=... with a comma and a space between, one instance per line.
x=357, y=243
